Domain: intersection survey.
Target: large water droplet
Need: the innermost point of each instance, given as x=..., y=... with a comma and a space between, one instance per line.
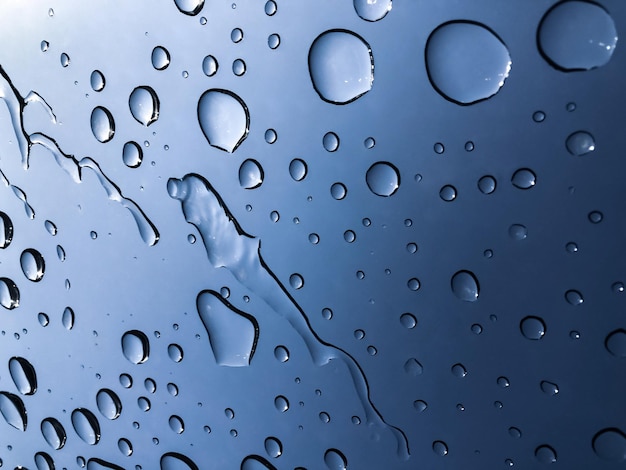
x=383, y=179
x=189, y=7
x=610, y=444
x=533, y=328
x=9, y=294
x=580, y=143
x=135, y=346
x=102, y=124
x=577, y=35
x=335, y=460
x=615, y=343
x=224, y=119
x=132, y=155
x=53, y=432
x=250, y=174
x=86, y=425
x=13, y=410
x=273, y=447
x=281, y=403
x=99, y=464
x=176, y=461
x=144, y=105
x=109, y=404
x=341, y=66
x=6, y=230
x=524, y=178
x=256, y=462
x=466, y=61
x=33, y=265
x=338, y=191
x=545, y=454
x=97, y=81
x=372, y=10
x=160, y=58
x=23, y=375
x=465, y=286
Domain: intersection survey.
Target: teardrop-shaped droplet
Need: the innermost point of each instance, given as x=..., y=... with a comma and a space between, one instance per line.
x=102, y=124
x=23, y=375
x=50, y=227
x=610, y=445
x=53, y=432
x=160, y=58
x=67, y=318
x=33, y=265
x=176, y=461
x=577, y=35
x=615, y=343
x=65, y=60
x=466, y=62
x=533, y=327
x=86, y=425
x=13, y=410
x=109, y=404
x=465, y=286
x=189, y=7
x=223, y=118
x=135, y=346
x=335, y=460
x=524, y=178
x=383, y=179
x=6, y=230
x=9, y=294
x=144, y=105
x=250, y=174
x=549, y=388
x=580, y=143
x=132, y=155
x=97, y=81
x=372, y=10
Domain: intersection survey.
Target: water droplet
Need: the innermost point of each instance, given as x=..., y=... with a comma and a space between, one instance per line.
x=50, y=227
x=503, y=382
x=13, y=410
x=281, y=403
x=223, y=118
x=369, y=10
x=545, y=454
x=411, y=247
x=577, y=35
x=132, y=155
x=67, y=318
x=97, y=81
x=324, y=417
x=109, y=404
x=273, y=41
x=408, y=321
x=65, y=60
x=448, y=193
x=338, y=191
x=327, y=313
x=369, y=143
x=549, y=388
x=189, y=7
x=413, y=284
x=176, y=424
x=298, y=169
x=459, y=370
x=239, y=67
x=371, y=350
x=43, y=319
x=281, y=353
x=86, y=425
x=341, y=66
x=54, y=433
x=175, y=352
x=518, y=232
x=126, y=381
x=273, y=447
x=610, y=445
x=487, y=184
x=476, y=329
x=42, y=461
x=573, y=297
x=270, y=8
x=250, y=174
x=615, y=343
x=144, y=404
x=296, y=281
x=160, y=58
x=33, y=265
x=524, y=178
x=383, y=179
x=44, y=46
x=617, y=287
x=595, y=217
x=330, y=142
x=144, y=105
x=236, y=35
x=6, y=230
x=102, y=124
x=571, y=247
x=532, y=328
x=580, y=143
x=466, y=61
x=135, y=346
x=465, y=286
x=176, y=461
x=515, y=432
x=440, y=448
x=9, y=294
x=498, y=405
x=335, y=460
x=150, y=385
x=314, y=238
x=23, y=375
x=359, y=334
x=413, y=367
x=125, y=447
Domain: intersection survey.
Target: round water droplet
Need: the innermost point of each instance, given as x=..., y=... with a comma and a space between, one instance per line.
x=281, y=353
x=6, y=230
x=135, y=346
x=335, y=460
x=338, y=191
x=440, y=448
x=439, y=148
x=270, y=8
x=327, y=313
x=617, y=287
x=383, y=179
x=413, y=284
x=273, y=447
x=515, y=432
x=9, y=294
x=23, y=375
x=239, y=67
x=524, y=178
x=369, y=10
x=503, y=382
x=189, y=7
x=144, y=404
x=466, y=61
x=160, y=58
x=573, y=297
x=132, y=155
x=545, y=454
x=448, y=193
x=349, y=236
x=86, y=425
x=150, y=385
x=610, y=445
x=54, y=433
x=296, y=281
x=175, y=352
x=469, y=146
x=476, y=329
x=549, y=388
x=144, y=105
x=595, y=217
x=408, y=321
x=459, y=370
x=176, y=424
x=580, y=143
x=518, y=232
x=571, y=247
x=172, y=389
x=298, y=169
x=65, y=60
x=126, y=381
x=270, y=136
x=615, y=343
x=413, y=367
x=465, y=286
x=33, y=265
x=250, y=174
x=97, y=81
x=487, y=184
x=330, y=142
x=314, y=238
x=273, y=41
x=281, y=403
x=109, y=404
x=359, y=334
x=577, y=35
x=236, y=35
x=341, y=66
x=102, y=124
x=532, y=327
x=324, y=417
x=223, y=118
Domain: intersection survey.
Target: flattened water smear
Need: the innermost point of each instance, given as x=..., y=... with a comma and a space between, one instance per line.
x=228, y=246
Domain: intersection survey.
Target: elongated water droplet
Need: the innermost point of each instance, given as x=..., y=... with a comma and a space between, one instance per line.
x=256, y=462
x=223, y=118
x=189, y=7
x=132, y=155
x=125, y=447
x=135, y=346
x=102, y=124
x=23, y=375
x=43, y=461
x=144, y=105
x=250, y=174
x=383, y=179
x=270, y=8
x=99, y=464
x=330, y=142
x=160, y=58
x=65, y=60
x=573, y=297
x=335, y=460
x=549, y=388
x=518, y=232
x=13, y=410
x=6, y=230
x=9, y=294
x=577, y=35
x=465, y=286
x=372, y=10
x=580, y=143
x=273, y=41
x=210, y=66
x=466, y=62
x=281, y=403
x=341, y=66
x=175, y=352
x=109, y=404
x=533, y=328
x=176, y=424
x=610, y=445
x=50, y=227
x=86, y=425
x=33, y=265
x=176, y=461
x=236, y=35
x=298, y=169
x=53, y=432
x=67, y=319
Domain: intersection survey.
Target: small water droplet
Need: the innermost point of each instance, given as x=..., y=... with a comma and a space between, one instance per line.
x=338, y=191
x=44, y=46
x=532, y=328
x=270, y=8
x=465, y=286
x=459, y=370
x=515, y=432
x=539, y=116
x=132, y=154
x=109, y=404
x=281, y=353
x=273, y=41
x=369, y=143
x=144, y=105
x=524, y=178
x=324, y=417
x=545, y=454
x=236, y=35
x=383, y=179
x=281, y=403
x=408, y=321
x=251, y=174
x=447, y=193
x=610, y=445
x=573, y=297
x=595, y=217
x=176, y=424
x=518, y=232
x=160, y=58
x=43, y=319
x=273, y=447
x=102, y=124
x=125, y=447
x=314, y=238
x=503, y=382
x=476, y=329
x=223, y=118
x=439, y=148
x=42, y=461
x=298, y=169
x=369, y=10
x=371, y=350
x=330, y=142
x=549, y=388
x=571, y=247
x=176, y=461
x=580, y=143
x=239, y=67
x=349, y=236
x=413, y=367
x=6, y=230
x=175, y=352
x=420, y=405
x=144, y=404
x=32, y=264
x=296, y=281
x=440, y=448
x=413, y=284
x=135, y=346
x=65, y=60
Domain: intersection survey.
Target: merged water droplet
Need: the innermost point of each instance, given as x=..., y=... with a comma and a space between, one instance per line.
x=335, y=460
x=86, y=425
x=135, y=346
x=250, y=174
x=160, y=58
x=372, y=10
x=341, y=66
x=465, y=286
x=53, y=432
x=466, y=62
x=144, y=105
x=577, y=35
x=102, y=124
x=610, y=445
x=23, y=375
x=224, y=119
x=383, y=179
x=545, y=454
x=97, y=81
x=32, y=264
x=580, y=143
x=189, y=7
x=6, y=230
x=9, y=294
x=13, y=410
x=532, y=327
x=615, y=343
x=109, y=404
x=524, y=178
